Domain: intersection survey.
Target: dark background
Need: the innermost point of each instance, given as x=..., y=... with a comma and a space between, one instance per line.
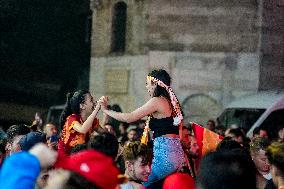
x=44, y=53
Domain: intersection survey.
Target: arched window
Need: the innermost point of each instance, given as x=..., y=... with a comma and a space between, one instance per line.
x=119, y=27
x=200, y=108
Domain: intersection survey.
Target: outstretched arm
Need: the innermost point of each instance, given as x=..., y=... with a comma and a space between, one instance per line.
x=20, y=170
x=148, y=108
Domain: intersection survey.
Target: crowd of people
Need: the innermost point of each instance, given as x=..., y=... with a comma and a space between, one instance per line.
x=121, y=151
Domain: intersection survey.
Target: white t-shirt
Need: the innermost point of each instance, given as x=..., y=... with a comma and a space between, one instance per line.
x=267, y=176
x=127, y=185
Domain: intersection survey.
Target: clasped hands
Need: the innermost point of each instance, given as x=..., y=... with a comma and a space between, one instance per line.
x=103, y=102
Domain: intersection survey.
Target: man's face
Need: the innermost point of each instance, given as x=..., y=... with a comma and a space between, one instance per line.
x=121, y=129
x=261, y=162
x=132, y=135
x=41, y=180
x=210, y=126
x=263, y=133
x=239, y=139
x=51, y=130
x=194, y=148
x=110, y=129
x=186, y=138
x=14, y=146
x=140, y=171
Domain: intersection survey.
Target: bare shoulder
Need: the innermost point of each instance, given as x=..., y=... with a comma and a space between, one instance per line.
x=158, y=99
x=162, y=106
x=158, y=102
x=162, y=101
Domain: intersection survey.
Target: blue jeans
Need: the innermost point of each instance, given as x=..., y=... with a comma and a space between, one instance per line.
x=168, y=158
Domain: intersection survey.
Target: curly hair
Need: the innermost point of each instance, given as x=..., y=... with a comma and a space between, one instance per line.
x=275, y=155
x=15, y=130
x=136, y=150
x=259, y=143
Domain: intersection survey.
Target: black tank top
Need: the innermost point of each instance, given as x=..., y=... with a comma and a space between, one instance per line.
x=163, y=126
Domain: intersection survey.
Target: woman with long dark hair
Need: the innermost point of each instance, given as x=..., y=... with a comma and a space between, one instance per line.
x=78, y=120
x=165, y=119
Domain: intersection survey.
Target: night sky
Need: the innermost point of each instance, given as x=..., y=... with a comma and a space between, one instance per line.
x=44, y=50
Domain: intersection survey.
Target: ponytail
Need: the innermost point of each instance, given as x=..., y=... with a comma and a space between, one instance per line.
x=67, y=110
x=72, y=106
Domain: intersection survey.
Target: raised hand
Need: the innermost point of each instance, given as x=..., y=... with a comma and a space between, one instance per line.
x=103, y=101
x=45, y=155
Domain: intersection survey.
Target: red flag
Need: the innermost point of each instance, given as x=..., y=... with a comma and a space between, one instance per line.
x=207, y=140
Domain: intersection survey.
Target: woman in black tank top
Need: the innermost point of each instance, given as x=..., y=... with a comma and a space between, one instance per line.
x=166, y=118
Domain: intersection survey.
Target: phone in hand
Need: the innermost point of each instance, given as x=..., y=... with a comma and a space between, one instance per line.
x=54, y=138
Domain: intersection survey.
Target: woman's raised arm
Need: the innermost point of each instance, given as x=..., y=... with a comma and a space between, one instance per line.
x=148, y=108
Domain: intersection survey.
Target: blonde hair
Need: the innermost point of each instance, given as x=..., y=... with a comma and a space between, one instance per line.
x=275, y=155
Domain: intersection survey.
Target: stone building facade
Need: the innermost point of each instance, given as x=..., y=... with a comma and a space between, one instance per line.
x=212, y=49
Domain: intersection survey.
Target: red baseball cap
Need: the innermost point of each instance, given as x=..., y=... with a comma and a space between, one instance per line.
x=179, y=180
x=94, y=166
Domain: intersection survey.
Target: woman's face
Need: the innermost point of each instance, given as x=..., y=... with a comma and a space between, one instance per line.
x=89, y=104
x=150, y=87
